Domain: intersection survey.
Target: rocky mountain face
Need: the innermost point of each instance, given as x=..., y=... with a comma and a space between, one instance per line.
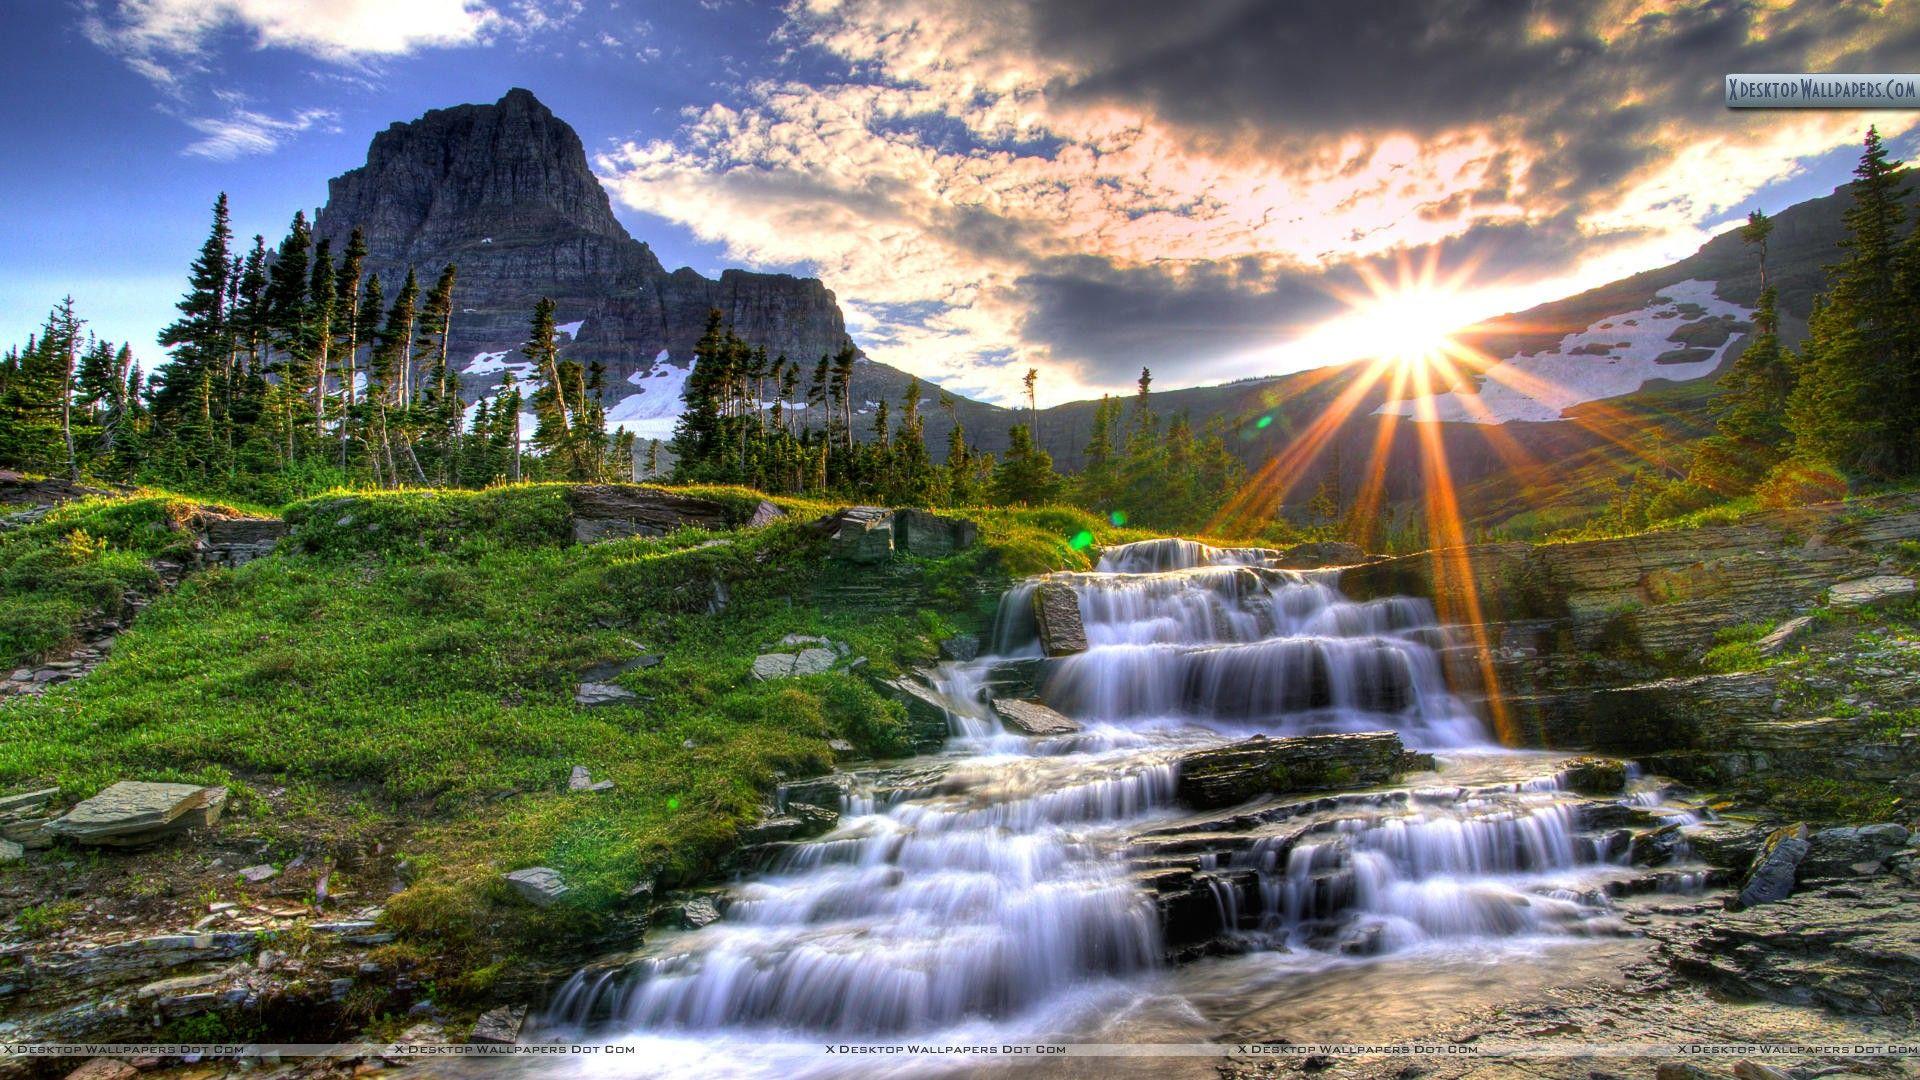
x=504, y=193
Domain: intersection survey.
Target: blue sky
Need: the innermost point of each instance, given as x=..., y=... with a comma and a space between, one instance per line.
x=1079, y=185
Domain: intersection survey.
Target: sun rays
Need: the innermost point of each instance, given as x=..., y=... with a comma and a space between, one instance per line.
x=1415, y=345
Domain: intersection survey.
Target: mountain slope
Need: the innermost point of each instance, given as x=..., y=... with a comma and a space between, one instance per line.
x=1535, y=474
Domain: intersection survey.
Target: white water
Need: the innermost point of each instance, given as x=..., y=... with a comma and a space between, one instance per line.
x=1001, y=898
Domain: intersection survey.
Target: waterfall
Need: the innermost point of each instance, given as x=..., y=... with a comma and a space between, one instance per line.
x=1014, y=881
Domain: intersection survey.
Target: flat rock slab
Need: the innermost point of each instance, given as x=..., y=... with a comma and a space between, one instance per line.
x=138, y=812
x=499, y=1026
x=1033, y=718
x=1871, y=591
x=1784, y=635
x=1056, y=613
x=1227, y=775
x=789, y=665
x=601, y=693
x=540, y=886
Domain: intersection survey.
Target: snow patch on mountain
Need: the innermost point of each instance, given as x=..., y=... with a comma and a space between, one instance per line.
x=651, y=413
x=1615, y=356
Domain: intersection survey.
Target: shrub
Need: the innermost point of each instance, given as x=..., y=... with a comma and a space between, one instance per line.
x=1801, y=482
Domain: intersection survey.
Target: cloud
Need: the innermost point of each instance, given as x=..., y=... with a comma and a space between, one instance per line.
x=1086, y=184
x=243, y=132
x=176, y=45
x=160, y=33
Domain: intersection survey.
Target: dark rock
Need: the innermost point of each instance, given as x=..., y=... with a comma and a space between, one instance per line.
x=1056, y=612
x=1843, y=852
x=612, y=511
x=1226, y=775
x=1681, y=1070
x=235, y=541
x=932, y=536
x=499, y=1026
x=927, y=722
x=1033, y=718
x=1727, y=844
x=961, y=647
x=1770, y=879
x=1595, y=776
x=858, y=534
x=823, y=791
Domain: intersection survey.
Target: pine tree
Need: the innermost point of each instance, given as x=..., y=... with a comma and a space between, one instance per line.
x=1025, y=477
x=1848, y=407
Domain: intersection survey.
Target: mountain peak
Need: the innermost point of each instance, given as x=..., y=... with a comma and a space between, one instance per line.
x=510, y=172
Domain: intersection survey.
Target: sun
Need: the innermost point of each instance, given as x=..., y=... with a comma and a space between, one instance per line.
x=1406, y=316
x=1410, y=326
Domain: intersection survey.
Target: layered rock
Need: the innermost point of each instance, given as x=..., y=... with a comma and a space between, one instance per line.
x=612, y=511
x=1227, y=775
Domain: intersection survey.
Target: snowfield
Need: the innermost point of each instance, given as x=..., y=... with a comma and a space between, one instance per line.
x=650, y=414
x=1617, y=355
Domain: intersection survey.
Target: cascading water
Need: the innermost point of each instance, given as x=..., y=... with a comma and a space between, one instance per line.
x=1008, y=894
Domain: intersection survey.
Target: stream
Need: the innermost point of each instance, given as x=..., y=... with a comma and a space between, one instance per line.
x=1014, y=888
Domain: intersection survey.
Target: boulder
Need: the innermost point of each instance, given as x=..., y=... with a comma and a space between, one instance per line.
x=1870, y=591
x=135, y=812
x=613, y=511
x=499, y=1026
x=698, y=912
x=1313, y=556
x=1852, y=850
x=858, y=534
x=1775, y=866
x=11, y=852
x=1594, y=776
x=932, y=536
x=540, y=886
x=26, y=801
x=1784, y=635
x=812, y=661
x=1033, y=718
x=960, y=647
x=1227, y=775
x=927, y=725
x=1056, y=612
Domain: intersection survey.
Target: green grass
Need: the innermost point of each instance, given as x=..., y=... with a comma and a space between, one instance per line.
x=1734, y=648
x=78, y=562
x=408, y=662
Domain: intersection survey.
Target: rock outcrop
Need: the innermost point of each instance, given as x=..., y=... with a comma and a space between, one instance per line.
x=1232, y=774
x=612, y=511
x=504, y=192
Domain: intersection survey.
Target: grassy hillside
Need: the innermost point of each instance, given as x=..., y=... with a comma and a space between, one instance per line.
x=402, y=674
